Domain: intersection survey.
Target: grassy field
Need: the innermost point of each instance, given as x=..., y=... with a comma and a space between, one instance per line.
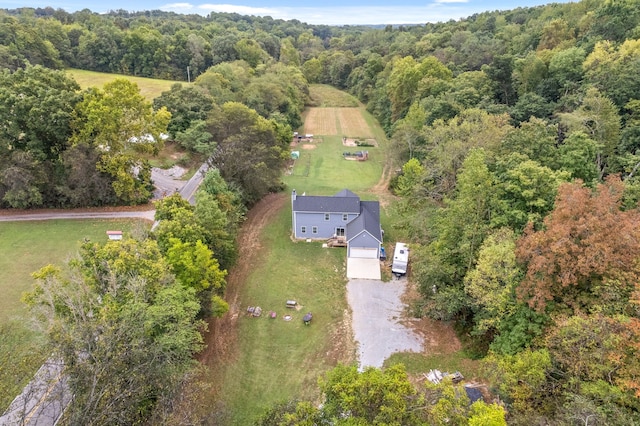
x=281, y=360
x=324, y=171
x=321, y=168
x=323, y=95
x=24, y=248
x=150, y=88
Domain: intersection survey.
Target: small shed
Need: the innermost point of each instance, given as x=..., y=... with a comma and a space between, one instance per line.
x=114, y=235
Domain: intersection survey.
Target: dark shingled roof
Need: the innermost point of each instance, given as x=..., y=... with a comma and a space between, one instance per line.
x=344, y=201
x=368, y=220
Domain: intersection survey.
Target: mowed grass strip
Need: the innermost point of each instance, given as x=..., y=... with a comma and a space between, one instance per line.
x=24, y=248
x=321, y=121
x=353, y=124
x=281, y=360
x=150, y=88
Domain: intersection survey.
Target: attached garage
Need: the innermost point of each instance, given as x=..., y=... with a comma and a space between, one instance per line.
x=363, y=252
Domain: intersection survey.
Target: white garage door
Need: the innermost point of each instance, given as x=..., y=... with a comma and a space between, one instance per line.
x=367, y=253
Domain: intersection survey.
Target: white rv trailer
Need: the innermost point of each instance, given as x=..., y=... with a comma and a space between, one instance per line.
x=400, y=259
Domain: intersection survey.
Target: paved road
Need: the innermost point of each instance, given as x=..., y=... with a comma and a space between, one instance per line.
x=44, y=215
x=188, y=191
x=43, y=400
x=377, y=311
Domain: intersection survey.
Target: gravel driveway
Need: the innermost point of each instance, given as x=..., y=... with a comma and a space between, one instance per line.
x=377, y=311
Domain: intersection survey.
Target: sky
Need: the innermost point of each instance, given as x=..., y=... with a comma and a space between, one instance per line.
x=329, y=12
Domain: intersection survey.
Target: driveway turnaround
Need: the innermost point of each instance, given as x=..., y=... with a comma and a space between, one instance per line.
x=377, y=310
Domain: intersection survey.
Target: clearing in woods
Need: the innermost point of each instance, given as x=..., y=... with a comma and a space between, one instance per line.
x=255, y=363
x=347, y=122
x=321, y=121
x=353, y=124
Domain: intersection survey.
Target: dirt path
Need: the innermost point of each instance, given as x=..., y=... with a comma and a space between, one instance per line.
x=222, y=335
x=381, y=188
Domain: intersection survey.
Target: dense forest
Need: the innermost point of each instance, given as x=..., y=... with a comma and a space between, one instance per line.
x=517, y=134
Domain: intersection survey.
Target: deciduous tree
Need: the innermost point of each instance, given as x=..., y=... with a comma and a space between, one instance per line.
x=124, y=328
x=587, y=239
x=373, y=396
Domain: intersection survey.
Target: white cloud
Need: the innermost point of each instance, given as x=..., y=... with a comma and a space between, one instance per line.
x=232, y=8
x=178, y=6
x=451, y=1
x=367, y=15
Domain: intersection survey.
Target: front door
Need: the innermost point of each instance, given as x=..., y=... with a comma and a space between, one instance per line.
x=340, y=232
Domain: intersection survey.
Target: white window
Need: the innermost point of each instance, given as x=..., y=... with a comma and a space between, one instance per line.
x=314, y=230
x=303, y=229
x=326, y=216
x=345, y=217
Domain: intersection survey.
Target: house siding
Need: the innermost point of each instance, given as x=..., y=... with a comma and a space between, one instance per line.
x=326, y=228
x=363, y=240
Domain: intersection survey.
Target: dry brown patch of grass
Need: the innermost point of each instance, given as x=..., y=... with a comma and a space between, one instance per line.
x=321, y=121
x=353, y=124
x=308, y=146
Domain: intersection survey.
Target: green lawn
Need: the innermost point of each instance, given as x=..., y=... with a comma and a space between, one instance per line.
x=150, y=88
x=24, y=248
x=323, y=170
x=280, y=360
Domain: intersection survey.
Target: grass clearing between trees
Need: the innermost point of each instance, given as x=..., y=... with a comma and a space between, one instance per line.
x=324, y=171
x=353, y=123
x=24, y=248
x=150, y=88
x=277, y=360
x=323, y=95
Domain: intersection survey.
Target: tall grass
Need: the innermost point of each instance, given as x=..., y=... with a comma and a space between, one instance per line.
x=323, y=95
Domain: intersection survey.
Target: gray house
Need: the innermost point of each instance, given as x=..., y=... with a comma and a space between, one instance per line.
x=340, y=215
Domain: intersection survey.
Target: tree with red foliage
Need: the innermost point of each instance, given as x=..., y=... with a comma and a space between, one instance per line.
x=588, y=244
